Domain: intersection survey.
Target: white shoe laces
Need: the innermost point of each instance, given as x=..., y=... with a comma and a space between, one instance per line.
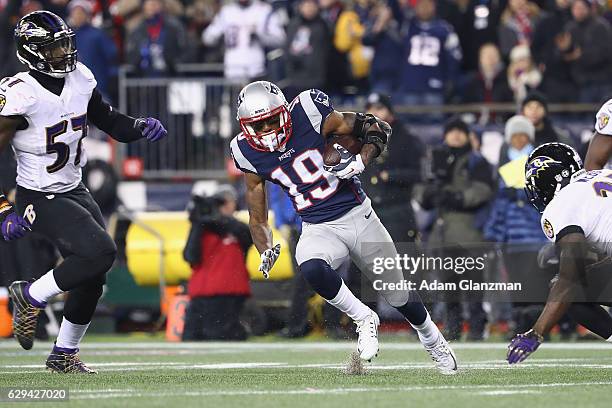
x=368, y=326
x=439, y=351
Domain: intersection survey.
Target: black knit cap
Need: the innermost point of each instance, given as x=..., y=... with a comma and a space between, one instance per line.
x=456, y=123
x=538, y=97
x=377, y=98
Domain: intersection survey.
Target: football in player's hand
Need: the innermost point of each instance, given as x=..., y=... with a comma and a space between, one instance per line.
x=331, y=157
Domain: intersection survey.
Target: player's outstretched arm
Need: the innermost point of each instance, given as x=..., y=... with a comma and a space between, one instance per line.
x=121, y=127
x=374, y=132
x=258, y=222
x=573, y=247
x=600, y=151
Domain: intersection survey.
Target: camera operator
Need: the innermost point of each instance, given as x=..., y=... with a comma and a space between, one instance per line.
x=460, y=185
x=216, y=250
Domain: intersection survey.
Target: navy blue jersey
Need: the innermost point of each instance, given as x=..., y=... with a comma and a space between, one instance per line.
x=318, y=196
x=432, y=56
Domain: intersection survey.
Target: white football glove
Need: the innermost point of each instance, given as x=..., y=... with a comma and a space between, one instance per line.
x=350, y=164
x=268, y=258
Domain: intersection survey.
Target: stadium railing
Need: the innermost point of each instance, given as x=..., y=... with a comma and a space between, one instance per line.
x=197, y=106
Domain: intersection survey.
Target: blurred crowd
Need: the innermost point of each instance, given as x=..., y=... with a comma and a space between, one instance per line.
x=419, y=52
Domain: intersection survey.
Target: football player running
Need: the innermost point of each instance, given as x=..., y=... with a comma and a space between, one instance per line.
x=284, y=143
x=577, y=217
x=44, y=114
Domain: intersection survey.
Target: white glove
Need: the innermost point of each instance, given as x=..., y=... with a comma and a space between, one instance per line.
x=350, y=164
x=268, y=258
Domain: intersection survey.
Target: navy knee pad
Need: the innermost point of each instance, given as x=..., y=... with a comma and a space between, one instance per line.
x=321, y=277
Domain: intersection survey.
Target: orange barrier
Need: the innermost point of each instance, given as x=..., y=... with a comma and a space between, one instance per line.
x=6, y=320
x=177, y=304
x=169, y=293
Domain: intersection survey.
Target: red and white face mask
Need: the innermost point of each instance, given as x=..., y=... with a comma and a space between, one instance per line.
x=269, y=131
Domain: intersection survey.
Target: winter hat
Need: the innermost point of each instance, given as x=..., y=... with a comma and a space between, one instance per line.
x=378, y=98
x=519, y=124
x=538, y=97
x=456, y=123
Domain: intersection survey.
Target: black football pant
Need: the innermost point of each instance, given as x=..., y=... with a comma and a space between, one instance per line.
x=73, y=222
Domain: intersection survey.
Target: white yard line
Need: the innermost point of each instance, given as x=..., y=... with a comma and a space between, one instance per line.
x=327, y=391
x=285, y=345
x=497, y=393
x=124, y=366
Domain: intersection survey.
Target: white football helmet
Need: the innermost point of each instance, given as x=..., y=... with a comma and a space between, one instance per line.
x=263, y=113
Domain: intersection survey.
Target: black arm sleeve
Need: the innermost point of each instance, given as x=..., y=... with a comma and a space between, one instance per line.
x=119, y=126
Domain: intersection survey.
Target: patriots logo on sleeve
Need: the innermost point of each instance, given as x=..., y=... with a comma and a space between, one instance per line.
x=319, y=97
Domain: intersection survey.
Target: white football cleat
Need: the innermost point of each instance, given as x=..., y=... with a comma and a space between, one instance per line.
x=443, y=356
x=367, y=344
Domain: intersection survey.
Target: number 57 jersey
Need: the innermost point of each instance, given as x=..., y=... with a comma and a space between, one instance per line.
x=49, y=151
x=584, y=205
x=318, y=196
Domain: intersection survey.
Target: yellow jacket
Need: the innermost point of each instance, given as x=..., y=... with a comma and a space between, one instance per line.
x=347, y=38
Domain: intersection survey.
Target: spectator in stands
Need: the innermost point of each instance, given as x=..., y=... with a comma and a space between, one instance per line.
x=519, y=139
x=307, y=49
x=383, y=34
x=430, y=63
x=523, y=75
x=200, y=14
x=587, y=47
x=475, y=22
x=158, y=43
x=490, y=83
x=389, y=180
x=247, y=27
x=348, y=38
x=130, y=14
x=461, y=187
x=517, y=25
x=96, y=49
x=216, y=250
x=338, y=70
x=515, y=223
x=557, y=83
x=535, y=108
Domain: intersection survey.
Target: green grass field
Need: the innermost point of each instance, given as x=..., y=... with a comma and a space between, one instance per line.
x=141, y=372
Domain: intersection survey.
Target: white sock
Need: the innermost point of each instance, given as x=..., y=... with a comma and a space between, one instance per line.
x=609, y=339
x=427, y=331
x=348, y=303
x=70, y=334
x=44, y=288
